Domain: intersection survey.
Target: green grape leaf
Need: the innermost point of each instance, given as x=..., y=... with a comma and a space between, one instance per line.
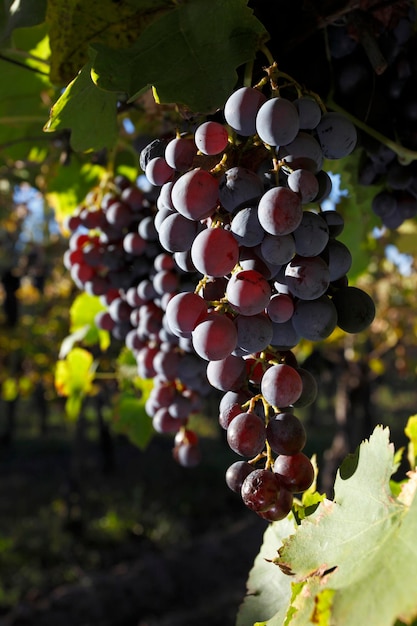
x=82, y=313
x=189, y=55
x=131, y=419
x=268, y=588
x=355, y=555
x=74, y=378
x=411, y=432
x=68, y=185
x=24, y=90
x=20, y=14
x=74, y=25
x=86, y=110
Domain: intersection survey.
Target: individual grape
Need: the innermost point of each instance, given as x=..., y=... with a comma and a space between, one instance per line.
x=277, y=122
x=337, y=135
x=211, y=138
x=340, y=42
x=312, y=235
x=278, y=249
x=119, y=310
x=163, y=422
x=164, y=200
x=133, y=243
x=146, y=290
x=335, y=222
x=158, y=172
x=303, y=152
x=228, y=374
x=309, y=112
x=161, y=215
x=177, y=233
x=384, y=204
x=165, y=282
x=184, y=311
x=286, y=434
x=241, y=109
x=304, y=183
x=119, y=215
x=398, y=176
x=315, y=319
x=260, y=490
x=280, y=211
x=187, y=455
x=180, y=153
x=307, y=278
x=280, y=508
x=281, y=385
x=254, y=332
x=147, y=229
x=104, y=320
x=238, y=187
x=144, y=361
x=195, y=194
x=181, y=406
x=355, y=309
x=325, y=186
x=246, y=434
x=231, y=405
x=133, y=196
x=92, y=254
x=339, y=259
x=93, y=219
x=284, y=335
x=393, y=220
x=215, y=252
x=236, y=474
x=295, y=472
x=248, y=292
x=246, y=228
x=310, y=389
x=280, y=308
x=164, y=261
x=215, y=337
x=253, y=259
x=183, y=261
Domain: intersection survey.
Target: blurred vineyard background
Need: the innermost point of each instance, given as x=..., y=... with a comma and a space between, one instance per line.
x=98, y=524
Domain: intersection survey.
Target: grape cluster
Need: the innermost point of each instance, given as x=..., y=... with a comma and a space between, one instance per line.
x=239, y=206
x=376, y=83
x=114, y=253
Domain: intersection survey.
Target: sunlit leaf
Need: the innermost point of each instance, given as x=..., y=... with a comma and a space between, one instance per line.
x=175, y=54
x=74, y=25
x=69, y=184
x=82, y=326
x=411, y=432
x=74, y=375
x=96, y=127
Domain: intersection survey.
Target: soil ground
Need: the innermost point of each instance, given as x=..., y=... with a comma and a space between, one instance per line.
x=145, y=544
